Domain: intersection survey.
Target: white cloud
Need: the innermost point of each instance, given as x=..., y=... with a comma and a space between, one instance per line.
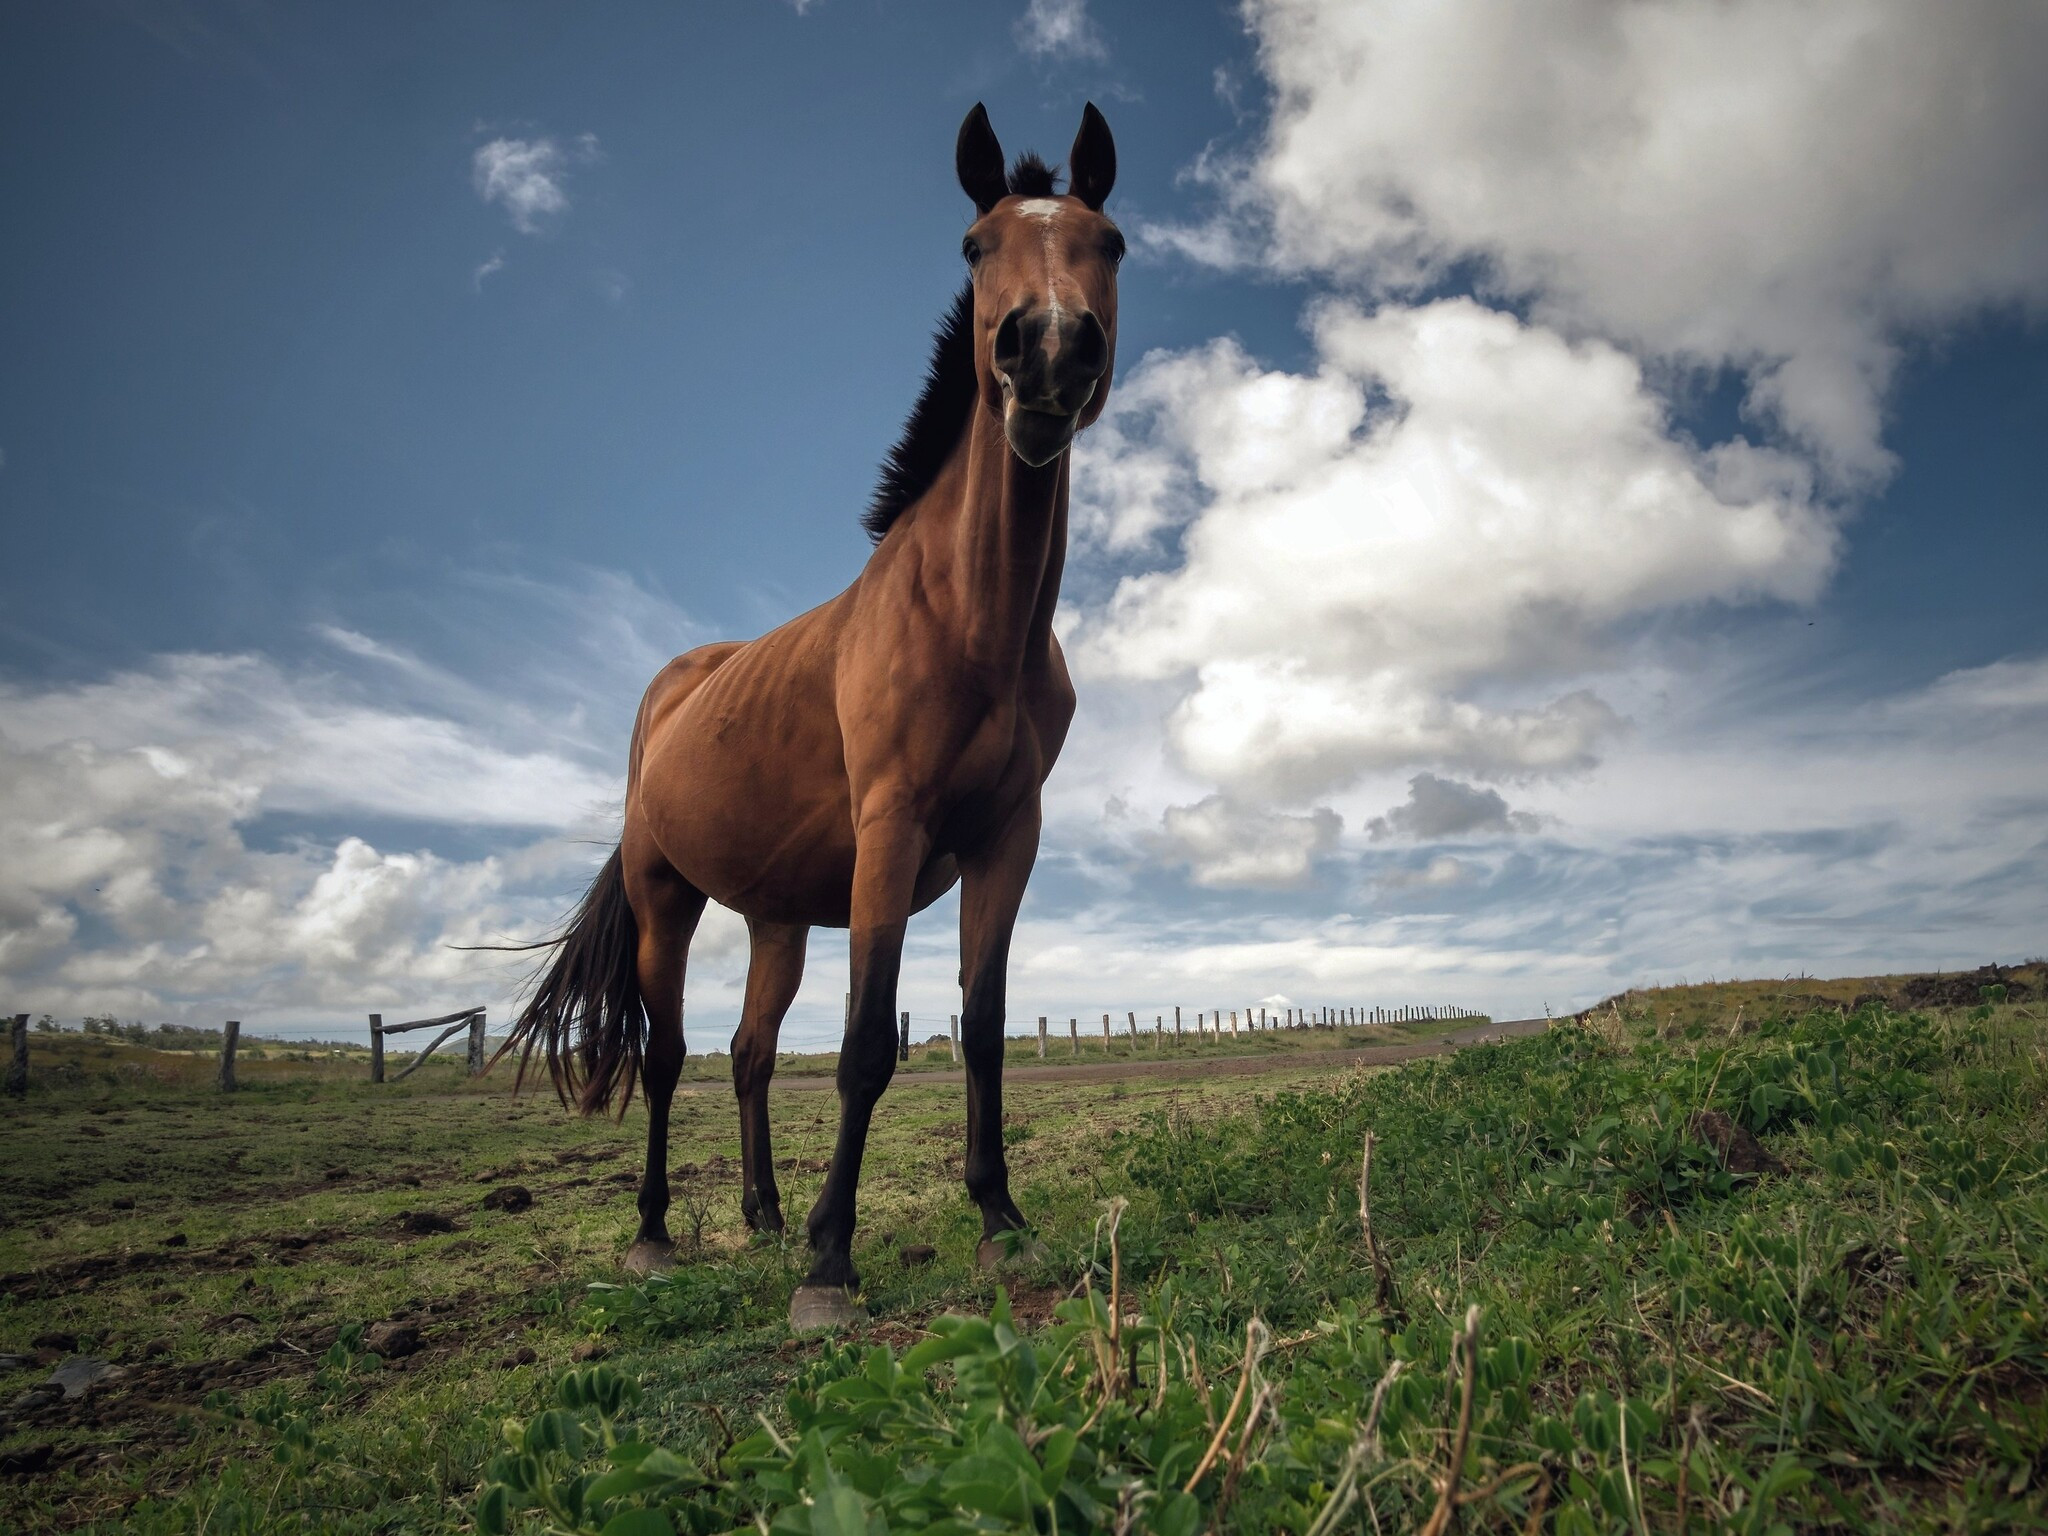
x=485, y=269
x=1439, y=808
x=528, y=178
x=202, y=833
x=1059, y=29
x=1227, y=846
x=1415, y=554
x=1785, y=188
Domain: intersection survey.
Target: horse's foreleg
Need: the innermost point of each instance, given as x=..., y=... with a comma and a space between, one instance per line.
x=991, y=891
x=889, y=852
x=666, y=908
x=775, y=968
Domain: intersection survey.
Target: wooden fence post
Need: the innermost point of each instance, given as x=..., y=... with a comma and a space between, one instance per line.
x=1158, y=1032
x=229, y=1038
x=1041, y=1037
x=376, y=1047
x=17, y=1066
x=1074, y=1029
x=1233, y=1023
x=1105, y=1036
x=953, y=1033
x=903, y=1039
x=1132, y=1017
x=476, y=1044
x=1176, y=1023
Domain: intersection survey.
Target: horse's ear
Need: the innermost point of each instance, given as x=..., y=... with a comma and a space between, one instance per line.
x=1091, y=163
x=978, y=158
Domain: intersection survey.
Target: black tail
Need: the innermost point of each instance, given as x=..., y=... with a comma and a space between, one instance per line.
x=589, y=993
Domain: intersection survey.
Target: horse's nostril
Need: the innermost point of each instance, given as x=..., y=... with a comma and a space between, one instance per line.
x=1089, y=347
x=1009, y=353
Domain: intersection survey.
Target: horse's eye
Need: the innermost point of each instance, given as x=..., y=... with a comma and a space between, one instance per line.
x=1113, y=247
x=971, y=251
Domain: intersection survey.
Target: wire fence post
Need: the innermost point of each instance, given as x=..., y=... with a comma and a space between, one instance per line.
x=1105, y=1035
x=953, y=1034
x=1176, y=1023
x=476, y=1044
x=17, y=1065
x=1074, y=1029
x=229, y=1038
x=376, y=1047
x=903, y=1038
x=1041, y=1037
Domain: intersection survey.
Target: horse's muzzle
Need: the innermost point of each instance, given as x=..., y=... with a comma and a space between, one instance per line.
x=1037, y=437
x=1049, y=361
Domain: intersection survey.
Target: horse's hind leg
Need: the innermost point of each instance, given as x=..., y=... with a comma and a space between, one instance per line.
x=775, y=967
x=666, y=908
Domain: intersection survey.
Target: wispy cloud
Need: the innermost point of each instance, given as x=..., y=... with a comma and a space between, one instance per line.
x=496, y=263
x=1060, y=29
x=528, y=178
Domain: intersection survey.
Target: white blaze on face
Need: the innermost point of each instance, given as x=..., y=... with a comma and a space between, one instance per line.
x=1045, y=210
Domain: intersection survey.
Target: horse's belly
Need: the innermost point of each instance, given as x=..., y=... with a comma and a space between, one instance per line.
x=755, y=816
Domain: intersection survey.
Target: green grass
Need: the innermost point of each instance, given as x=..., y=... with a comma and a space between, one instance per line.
x=1857, y=1342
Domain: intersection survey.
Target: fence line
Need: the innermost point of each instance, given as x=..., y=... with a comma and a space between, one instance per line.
x=472, y=1018
x=1210, y=1025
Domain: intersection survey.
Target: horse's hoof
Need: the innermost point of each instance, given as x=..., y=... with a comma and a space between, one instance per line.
x=649, y=1258
x=1017, y=1254
x=816, y=1307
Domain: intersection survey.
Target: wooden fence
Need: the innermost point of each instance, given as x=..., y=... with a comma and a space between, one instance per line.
x=1209, y=1025
x=473, y=1018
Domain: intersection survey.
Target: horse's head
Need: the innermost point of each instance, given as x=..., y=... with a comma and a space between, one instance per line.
x=1044, y=275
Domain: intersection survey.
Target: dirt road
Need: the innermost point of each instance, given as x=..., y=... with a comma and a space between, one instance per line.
x=1222, y=1066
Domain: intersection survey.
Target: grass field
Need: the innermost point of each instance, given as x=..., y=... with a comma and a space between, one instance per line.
x=1852, y=1338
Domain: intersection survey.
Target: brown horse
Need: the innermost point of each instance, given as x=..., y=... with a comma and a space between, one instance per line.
x=846, y=769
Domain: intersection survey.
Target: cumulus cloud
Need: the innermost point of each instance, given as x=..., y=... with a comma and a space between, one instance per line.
x=1059, y=29
x=132, y=888
x=1411, y=555
x=1788, y=190
x=1228, y=846
x=528, y=178
x=1439, y=808
x=206, y=832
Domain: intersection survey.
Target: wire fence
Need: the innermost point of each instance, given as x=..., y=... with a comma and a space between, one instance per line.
x=1163, y=1028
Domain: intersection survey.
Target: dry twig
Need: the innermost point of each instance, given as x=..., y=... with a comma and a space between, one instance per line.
x=1385, y=1293
x=1466, y=1348
x=1256, y=1336
x=1364, y=1450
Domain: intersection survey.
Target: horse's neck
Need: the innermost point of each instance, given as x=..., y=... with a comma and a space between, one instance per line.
x=995, y=542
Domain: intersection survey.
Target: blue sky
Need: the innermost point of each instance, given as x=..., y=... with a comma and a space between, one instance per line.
x=1570, y=514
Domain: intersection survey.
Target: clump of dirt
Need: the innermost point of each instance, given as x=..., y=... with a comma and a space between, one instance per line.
x=392, y=1340
x=1963, y=989
x=509, y=1198
x=422, y=1223
x=1740, y=1151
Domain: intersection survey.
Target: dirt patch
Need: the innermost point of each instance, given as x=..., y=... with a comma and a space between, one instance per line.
x=1963, y=989
x=1740, y=1151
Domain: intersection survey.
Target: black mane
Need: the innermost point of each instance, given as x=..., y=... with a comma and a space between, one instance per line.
x=947, y=399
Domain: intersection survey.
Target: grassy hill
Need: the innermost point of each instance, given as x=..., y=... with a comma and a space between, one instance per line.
x=1737, y=1258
